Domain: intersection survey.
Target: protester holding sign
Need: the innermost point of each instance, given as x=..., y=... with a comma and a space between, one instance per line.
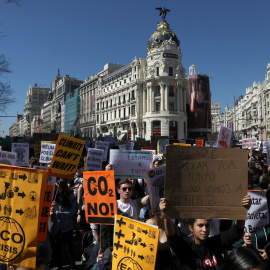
x=197, y=251
x=66, y=208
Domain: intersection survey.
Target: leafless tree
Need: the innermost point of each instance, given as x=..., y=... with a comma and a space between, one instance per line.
x=16, y=2
x=5, y=89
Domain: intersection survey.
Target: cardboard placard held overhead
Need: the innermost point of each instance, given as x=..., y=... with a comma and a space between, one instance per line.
x=66, y=157
x=206, y=182
x=100, y=197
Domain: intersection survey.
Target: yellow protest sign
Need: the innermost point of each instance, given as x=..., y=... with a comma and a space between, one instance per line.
x=66, y=156
x=182, y=144
x=21, y=191
x=135, y=245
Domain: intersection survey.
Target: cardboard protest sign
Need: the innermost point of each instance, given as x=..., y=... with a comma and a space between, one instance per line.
x=21, y=190
x=224, y=137
x=205, y=182
x=104, y=146
x=46, y=153
x=94, y=159
x=258, y=215
x=210, y=144
x=100, y=197
x=249, y=142
x=22, y=151
x=130, y=164
x=66, y=156
x=161, y=146
x=45, y=213
x=7, y=158
x=155, y=183
x=135, y=245
x=51, y=180
x=199, y=142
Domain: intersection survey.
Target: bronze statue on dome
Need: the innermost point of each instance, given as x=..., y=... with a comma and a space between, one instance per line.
x=163, y=12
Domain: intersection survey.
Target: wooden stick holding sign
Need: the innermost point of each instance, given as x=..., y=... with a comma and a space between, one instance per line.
x=100, y=197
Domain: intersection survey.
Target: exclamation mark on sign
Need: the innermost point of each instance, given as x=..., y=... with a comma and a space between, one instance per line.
x=111, y=204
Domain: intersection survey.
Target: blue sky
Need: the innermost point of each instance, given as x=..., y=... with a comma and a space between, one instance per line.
x=226, y=39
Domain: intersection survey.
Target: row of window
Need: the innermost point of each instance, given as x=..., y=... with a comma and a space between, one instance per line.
x=131, y=112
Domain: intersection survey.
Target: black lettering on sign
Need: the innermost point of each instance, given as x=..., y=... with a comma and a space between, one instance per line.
x=42, y=226
x=12, y=240
x=103, y=209
x=102, y=186
x=45, y=211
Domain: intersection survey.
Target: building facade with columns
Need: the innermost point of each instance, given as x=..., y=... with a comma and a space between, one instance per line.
x=146, y=98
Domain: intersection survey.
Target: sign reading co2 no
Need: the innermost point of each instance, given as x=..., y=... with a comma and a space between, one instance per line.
x=100, y=197
x=199, y=142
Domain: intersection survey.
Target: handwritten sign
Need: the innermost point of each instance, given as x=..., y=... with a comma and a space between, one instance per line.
x=66, y=156
x=94, y=159
x=129, y=145
x=22, y=151
x=155, y=183
x=45, y=213
x=130, y=164
x=21, y=190
x=224, y=137
x=100, y=197
x=249, y=142
x=46, y=153
x=103, y=146
x=258, y=215
x=7, y=158
x=199, y=143
x=204, y=182
x=161, y=146
x=135, y=245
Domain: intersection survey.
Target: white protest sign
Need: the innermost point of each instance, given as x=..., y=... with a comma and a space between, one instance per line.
x=258, y=215
x=155, y=182
x=224, y=137
x=130, y=163
x=103, y=146
x=210, y=144
x=157, y=157
x=7, y=158
x=129, y=145
x=94, y=159
x=249, y=142
x=22, y=151
x=51, y=180
x=109, y=139
x=46, y=153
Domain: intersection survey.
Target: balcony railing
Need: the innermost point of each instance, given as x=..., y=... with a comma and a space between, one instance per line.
x=125, y=118
x=171, y=94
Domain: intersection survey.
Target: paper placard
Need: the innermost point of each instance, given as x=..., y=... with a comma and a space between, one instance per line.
x=155, y=183
x=161, y=146
x=130, y=164
x=100, y=197
x=22, y=151
x=249, y=142
x=135, y=245
x=46, y=153
x=7, y=158
x=224, y=137
x=94, y=159
x=103, y=146
x=204, y=182
x=129, y=145
x=258, y=215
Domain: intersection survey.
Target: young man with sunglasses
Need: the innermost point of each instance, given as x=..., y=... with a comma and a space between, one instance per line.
x=127, y=206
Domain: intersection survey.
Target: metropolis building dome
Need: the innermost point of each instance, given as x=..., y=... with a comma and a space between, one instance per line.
x=162, y=33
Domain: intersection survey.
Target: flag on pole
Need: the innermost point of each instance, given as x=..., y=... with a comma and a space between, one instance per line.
x=175, y=87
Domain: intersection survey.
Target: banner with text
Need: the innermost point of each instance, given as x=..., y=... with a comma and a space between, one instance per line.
x=21, y=190
x=46, y=153
x=249, y=142
x=22, y=151
x=94, y=159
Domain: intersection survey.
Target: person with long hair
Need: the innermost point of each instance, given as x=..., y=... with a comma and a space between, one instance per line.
x=66, y=208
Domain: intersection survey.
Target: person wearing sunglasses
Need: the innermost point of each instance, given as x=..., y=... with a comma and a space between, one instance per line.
x=125, y=205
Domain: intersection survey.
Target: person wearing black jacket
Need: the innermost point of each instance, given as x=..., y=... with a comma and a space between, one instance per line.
x=197, y=251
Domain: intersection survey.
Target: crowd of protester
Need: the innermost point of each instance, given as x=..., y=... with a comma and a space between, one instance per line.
x=183, y=244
